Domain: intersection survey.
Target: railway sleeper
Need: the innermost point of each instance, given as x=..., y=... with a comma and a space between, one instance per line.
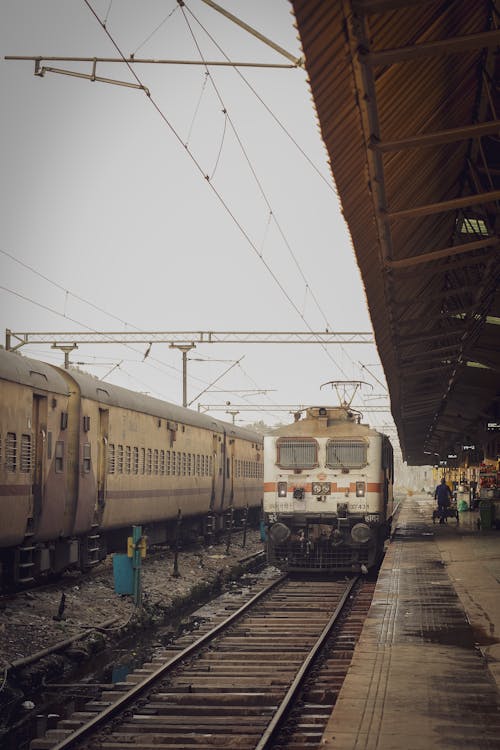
x=214, y=698
x=169, y=742
x=201, y=709
x=177, y=724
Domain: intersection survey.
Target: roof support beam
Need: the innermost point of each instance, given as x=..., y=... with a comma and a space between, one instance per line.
x=443, y=206
x=412, y=373
x=449, y=46
x=380, y=6
x=440, y=136
x=447, y=252
x=439, y=294
x=420, y=338
x=429, y=355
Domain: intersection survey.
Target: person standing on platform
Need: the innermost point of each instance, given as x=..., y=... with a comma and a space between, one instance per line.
x=443, y=497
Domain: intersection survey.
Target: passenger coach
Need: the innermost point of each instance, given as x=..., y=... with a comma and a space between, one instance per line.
x=82, y=460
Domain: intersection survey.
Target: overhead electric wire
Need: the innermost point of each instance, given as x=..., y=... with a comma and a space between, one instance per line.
x=63, y=289
x=308, y=288
x=207, y=178
x=331, y=186
x=251, y=167
x=266, y=107
x=169, y=15
x=202, y=172
x=88, y=328
x=83, y=325
x=205, y=76
x=264, y=196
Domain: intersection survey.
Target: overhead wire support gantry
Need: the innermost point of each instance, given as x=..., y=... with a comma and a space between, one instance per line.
x=184, y=341
x=16, y=339
x=41, y=70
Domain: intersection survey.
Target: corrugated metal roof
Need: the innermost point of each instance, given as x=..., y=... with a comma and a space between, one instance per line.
x=407, y=95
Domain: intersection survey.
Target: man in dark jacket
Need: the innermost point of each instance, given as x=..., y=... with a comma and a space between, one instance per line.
x=443, y=497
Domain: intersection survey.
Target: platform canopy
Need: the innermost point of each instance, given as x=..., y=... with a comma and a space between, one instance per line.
x=407, y=96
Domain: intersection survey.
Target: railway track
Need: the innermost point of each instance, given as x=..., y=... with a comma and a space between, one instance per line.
x=231, y=688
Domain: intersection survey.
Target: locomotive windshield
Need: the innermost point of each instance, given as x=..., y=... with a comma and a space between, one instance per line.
x=349, y=454
x=297, y=453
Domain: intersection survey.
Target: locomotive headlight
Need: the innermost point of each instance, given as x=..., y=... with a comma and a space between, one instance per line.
x=361, y=533
x=360, y=489
x=316, y=488
x=279, y=533
x=326, y=488
x=282, y=489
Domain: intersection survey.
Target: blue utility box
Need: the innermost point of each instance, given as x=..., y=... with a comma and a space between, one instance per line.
x=123, y=574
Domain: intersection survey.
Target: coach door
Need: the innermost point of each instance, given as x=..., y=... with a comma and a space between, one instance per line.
x=41, y=439
x=102, y=450
x=230, y=470
x=223, y=472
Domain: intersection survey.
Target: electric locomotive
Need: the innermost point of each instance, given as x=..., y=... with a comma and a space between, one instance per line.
x=328, y=497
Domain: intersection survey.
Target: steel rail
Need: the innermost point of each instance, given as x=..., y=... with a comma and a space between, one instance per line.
x=275, y=723
x=115, y=707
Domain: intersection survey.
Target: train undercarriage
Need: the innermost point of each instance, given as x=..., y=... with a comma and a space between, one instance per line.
x=32, y=561
x=327, y=544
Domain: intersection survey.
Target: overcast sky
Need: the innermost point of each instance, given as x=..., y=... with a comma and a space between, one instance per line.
x=104, y=192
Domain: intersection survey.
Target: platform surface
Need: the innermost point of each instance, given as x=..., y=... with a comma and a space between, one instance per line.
x=426, y=671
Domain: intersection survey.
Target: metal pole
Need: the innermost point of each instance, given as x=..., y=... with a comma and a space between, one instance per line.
x=245, y=521
x=136, y=564
x=184, y=377
x=229, y=521
x=184, y=348
x=176, y=573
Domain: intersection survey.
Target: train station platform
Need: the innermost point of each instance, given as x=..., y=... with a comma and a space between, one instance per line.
x=426, y=671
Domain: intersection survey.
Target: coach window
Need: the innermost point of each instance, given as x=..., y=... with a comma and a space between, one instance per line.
x=135, y=465
x=59, y=457
x=11, y=452
x=297, y=453
x=162, y=462
x=86, y=458
x=119, y=459
x=111, y=458
x=127, y=458
x=346, y=454
x=184, y=464
x=143, y=460
x=168, y=463
x=149, y=461
x=25, y=454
